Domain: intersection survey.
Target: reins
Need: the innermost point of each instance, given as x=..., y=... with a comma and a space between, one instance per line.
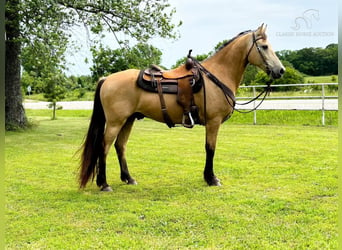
x=265, y=92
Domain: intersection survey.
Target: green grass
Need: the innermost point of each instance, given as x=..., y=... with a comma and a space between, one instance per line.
x=69, y=96
x=321, y=79
x=279, y=189
x=287, y=117
x=264, y=117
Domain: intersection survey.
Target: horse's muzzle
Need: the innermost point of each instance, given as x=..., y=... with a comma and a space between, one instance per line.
x=277, y=73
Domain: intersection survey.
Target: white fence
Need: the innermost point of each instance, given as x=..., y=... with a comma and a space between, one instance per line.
x=318, y=102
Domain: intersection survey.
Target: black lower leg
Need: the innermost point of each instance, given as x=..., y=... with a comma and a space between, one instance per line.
x=124, y=173
x=101, y=179
x=125, y=176
x=209, y=176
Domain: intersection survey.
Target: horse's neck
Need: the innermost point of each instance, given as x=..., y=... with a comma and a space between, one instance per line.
x=229, y=64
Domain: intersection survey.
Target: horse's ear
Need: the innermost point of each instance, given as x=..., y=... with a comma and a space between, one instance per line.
x=261, y=31
x=264, y=27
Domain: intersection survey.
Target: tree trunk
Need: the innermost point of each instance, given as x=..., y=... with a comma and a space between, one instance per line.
x=54, y=110
x=14, y=111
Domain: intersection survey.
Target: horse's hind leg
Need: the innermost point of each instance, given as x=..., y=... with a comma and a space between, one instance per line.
x=120, y=146
x=110, y=135
x=101, y=179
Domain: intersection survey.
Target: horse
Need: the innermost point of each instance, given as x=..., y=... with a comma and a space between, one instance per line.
x=118, y=102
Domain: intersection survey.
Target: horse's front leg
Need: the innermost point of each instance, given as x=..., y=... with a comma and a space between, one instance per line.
x=210, y=145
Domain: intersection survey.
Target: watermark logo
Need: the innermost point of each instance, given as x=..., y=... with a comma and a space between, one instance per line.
x=306, y=20
x=304, y=25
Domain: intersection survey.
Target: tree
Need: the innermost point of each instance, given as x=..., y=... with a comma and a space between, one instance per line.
x=291, y=76
x=38, y=60
x=313, y=61
x=330, y=60
x=33, y=22
x=143, y=55
x=54, y=90
x=182, y=60
x=249, y=74
x=14, y=110
x=107, y=61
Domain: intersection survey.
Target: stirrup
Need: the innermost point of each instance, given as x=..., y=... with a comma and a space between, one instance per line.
x=192, y=123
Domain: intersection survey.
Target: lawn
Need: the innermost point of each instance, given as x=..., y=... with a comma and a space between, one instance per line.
x=279, y=189
x=321, y=79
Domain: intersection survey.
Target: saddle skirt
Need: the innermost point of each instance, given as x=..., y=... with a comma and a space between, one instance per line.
x=169, y=79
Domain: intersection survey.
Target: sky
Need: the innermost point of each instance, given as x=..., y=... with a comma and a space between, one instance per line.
x=292, y=25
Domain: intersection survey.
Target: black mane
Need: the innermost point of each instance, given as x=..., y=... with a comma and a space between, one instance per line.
x=231, y=40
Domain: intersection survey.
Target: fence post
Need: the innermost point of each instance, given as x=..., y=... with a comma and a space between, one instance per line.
x=323, y=97
x=254, y=105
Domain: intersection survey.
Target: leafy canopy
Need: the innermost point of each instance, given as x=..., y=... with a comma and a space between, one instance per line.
x=47, y=25
x=107, y=61
x=313, y=61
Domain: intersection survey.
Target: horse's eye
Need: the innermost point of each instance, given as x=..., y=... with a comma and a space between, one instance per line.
x=265, y=47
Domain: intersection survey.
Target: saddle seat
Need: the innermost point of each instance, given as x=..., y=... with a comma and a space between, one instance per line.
x=177, y=73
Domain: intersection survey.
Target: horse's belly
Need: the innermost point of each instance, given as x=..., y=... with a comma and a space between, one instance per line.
x=150, y=106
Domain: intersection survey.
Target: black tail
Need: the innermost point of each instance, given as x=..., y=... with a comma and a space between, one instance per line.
x=93, y=147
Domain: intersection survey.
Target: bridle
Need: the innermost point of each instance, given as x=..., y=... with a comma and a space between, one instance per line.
x=228, y=93
x=267, y=89
x=268, y=71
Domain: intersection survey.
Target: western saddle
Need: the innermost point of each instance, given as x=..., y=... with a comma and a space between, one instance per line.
x=183, y=81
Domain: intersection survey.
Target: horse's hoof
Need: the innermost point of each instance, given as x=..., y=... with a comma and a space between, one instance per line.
x=107, y=189
x=215, y=182
x=132, y=182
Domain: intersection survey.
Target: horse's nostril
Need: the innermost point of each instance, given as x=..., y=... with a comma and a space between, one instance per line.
x=282, y=71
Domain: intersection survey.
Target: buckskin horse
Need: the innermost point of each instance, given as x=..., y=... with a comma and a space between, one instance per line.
x=119, y=101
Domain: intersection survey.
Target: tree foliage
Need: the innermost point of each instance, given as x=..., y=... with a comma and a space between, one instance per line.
x=45, y=25
x=313, y=61
x=35, y=24
x=200, y=57
x=39, y=61
x=139, y=19
x=249, y=75
x=291, y=76
x=54, y=89
x=107, y=61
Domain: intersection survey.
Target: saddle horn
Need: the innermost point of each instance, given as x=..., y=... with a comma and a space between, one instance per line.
x=189, y=64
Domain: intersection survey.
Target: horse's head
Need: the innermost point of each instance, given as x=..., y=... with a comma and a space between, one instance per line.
x=262, y=55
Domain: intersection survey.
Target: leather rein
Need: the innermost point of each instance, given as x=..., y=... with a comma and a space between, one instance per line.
x=228, y=93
